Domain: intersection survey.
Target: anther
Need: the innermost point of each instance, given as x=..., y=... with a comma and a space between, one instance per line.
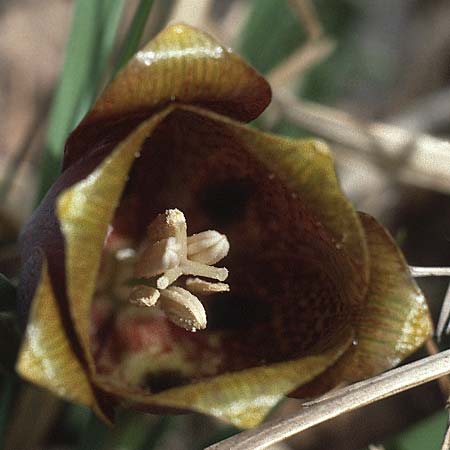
x=208, y=247
x=167, y=254
x=183, y=308
x=144, y=296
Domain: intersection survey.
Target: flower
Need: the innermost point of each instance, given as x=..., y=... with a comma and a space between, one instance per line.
x=160, y=182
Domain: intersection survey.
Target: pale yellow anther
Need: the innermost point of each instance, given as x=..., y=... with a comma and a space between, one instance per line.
x=208, y=247
x=169, y=254
x=183, y=308
x=169, y=224
x=144, y=296
x=202, y=287
x=158, y=257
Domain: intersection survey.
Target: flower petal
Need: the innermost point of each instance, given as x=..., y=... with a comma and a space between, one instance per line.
x=297, y=272
x=242, y=398
x=183, y=65
x=279, y=203
x=46, y=357
x=394, y=323
x=306, y=167
x=85, y=211
x=396, y=320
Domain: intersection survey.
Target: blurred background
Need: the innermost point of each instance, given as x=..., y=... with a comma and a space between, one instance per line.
x=371, y=78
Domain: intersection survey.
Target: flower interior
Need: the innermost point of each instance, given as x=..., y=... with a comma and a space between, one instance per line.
x=288, y=293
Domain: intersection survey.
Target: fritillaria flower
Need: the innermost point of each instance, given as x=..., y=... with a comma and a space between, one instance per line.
x=186, y=261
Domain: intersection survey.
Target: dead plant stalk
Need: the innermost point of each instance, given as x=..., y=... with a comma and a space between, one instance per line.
x=341, y=401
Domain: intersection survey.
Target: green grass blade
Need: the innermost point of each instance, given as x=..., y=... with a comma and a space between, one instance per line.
x=134, y=34
x=136, y=431
x=426, y=434
x=10, y=385
x=7, y=295
x=75, y=76
x=109, y=13
x=95, y=433
x=9, y=328
x=265, y=50
x=90, y=42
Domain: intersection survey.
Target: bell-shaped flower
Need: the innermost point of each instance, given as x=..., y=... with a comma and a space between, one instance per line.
x=186, y=261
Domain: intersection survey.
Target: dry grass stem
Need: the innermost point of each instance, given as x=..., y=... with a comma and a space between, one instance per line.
x=341, y=401
x=444, y=315
x=444, y=382
x=418, y=272
x=419, y=160
x=310, y=54
x=306, y=12
x=232, y=25
x=427, y=113
x=195, y=13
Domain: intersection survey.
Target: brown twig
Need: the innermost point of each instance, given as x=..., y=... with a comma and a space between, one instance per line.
x=341, y=401
x=310, y=54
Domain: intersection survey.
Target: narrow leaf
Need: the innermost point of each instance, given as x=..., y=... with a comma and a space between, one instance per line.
x=134, y=34
x=7, y=295
x=90, y=41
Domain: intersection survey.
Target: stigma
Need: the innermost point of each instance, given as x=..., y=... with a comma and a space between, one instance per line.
x=169, y=266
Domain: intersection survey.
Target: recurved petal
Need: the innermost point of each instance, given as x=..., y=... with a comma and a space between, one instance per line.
x=396, y=320
x=46, y=357
x=394, y=323
x=181, y=64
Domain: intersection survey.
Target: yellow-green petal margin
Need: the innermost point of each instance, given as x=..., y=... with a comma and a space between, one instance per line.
x=396, y=320
x=84, y=211
x=186, y=65
x=306, y=167
x=46, y=357
x=243, y=398
x=394, y=323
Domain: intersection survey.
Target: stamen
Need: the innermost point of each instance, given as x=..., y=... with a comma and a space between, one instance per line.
x=203, y=270
x=158, y=257
x=202, y=287
x=183, y=308
x=144, y=296
x=169, y=253
x=170, y=224
x=169, y=277
x=208, y=247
